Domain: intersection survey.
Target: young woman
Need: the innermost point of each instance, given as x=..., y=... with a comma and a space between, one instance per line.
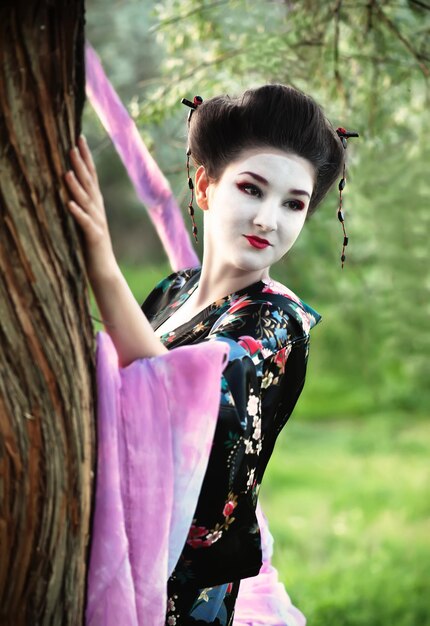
x=264, y=163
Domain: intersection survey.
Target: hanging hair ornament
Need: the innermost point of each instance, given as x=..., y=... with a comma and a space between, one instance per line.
x=344, y=135
x=193, y=106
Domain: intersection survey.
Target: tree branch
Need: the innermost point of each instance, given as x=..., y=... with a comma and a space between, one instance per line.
x=422, y=5
x=394, y=29
x=229, y=54
x=179, y=18
x=369, y=9
x=337, y=75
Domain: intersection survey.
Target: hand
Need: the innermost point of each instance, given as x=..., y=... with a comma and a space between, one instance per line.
x=87, y=207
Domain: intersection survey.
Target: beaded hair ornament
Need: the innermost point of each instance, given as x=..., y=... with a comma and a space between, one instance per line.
x=343, y=135
x=193, y=106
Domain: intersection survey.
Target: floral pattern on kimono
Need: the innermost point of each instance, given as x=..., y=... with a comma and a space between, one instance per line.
x=267, y=330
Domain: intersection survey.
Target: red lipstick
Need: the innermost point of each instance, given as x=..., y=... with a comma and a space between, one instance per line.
x=257, y=242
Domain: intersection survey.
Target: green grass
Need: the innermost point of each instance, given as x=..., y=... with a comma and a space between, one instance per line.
x=143, y=280
x=349, y=509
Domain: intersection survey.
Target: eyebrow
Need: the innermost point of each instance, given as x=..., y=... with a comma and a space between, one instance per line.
x=297, y=192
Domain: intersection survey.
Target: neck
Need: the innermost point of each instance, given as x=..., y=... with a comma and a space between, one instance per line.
x=219, y=280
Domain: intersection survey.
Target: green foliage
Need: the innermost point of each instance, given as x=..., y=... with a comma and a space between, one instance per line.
x=348, y=55
x=348, y=510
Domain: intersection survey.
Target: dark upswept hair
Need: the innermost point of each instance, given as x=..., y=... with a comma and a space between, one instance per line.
x=277, y=116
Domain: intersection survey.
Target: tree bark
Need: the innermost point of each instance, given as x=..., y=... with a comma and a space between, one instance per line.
x=46, y=338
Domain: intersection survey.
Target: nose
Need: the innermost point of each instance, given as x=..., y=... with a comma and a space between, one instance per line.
x=266, y=218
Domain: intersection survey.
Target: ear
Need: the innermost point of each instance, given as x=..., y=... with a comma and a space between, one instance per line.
x=201, y=188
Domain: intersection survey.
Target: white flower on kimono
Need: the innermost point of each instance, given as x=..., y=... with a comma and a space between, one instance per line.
x=306, y=323
x=171, y=620
x=258, y=447
x=250, y=478
x=257, y=432
x=248, y=446
x=255, y=421
x=214, y=536
x=170, y=605
x=267, y=380
x=253, y=405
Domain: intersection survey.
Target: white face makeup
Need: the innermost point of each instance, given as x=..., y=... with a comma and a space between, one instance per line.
x=264, y=194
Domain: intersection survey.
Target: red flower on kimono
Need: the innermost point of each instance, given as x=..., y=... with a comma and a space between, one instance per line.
x=230, y=504
x=268, y=289
x=250, y=344
x=280, y=289
x=199, y=537
x=281, y=358
x=239, y=304
x=197, y=531
x=199, y=543
x=228, y=509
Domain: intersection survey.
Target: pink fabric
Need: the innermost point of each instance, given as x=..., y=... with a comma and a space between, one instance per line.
x=154, y=439
x=263, y=600
x=148, y=180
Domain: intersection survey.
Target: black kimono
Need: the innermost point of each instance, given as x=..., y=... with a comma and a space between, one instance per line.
x=267, y=329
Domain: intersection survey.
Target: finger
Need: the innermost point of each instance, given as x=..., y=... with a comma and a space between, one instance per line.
x=84, y=220
x=77, y=191
x=87, y=156
x=81, y=216
x=81, y=171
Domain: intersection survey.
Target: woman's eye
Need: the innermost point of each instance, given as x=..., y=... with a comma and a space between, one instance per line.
x=250, y=189
x=295, y=205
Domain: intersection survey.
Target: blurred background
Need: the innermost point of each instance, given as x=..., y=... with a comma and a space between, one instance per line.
x=347, y=490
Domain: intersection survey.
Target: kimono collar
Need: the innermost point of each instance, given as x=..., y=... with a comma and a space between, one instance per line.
x=275, y=287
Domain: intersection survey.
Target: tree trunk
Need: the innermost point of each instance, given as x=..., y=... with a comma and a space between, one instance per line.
x=46, y=338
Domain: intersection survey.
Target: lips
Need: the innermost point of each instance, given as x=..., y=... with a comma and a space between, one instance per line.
x=257, y=242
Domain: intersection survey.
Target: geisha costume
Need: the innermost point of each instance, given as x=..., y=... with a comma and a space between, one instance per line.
x=267, y=330
x=183, y=442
